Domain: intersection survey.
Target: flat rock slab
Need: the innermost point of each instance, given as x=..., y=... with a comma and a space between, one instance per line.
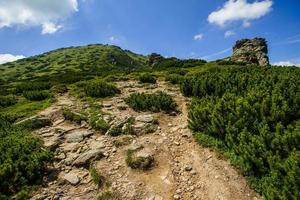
x=71, y=178
x=145, y=118
x=97, y=145
x=52, y=143
x=84, y=158
x=77, y=135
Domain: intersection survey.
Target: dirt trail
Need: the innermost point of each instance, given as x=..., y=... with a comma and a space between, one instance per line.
x=183, y=169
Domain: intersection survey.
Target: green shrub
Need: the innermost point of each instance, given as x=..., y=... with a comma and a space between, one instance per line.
x=158, y=101
x=73, y=116
x=107, y=195
x=115, y=131
x=147, y=78
x=125, y=140
x=36, y=95
x=35, y=123
x=6, y=101
x=59, y=89
x=128, y=129
x=33, y=86
x=252, y=115
x=98, y=123
x=100, y=89
x=22, y=160
x=174, y=78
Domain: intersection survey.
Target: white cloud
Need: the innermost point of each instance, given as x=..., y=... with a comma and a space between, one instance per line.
x=45, y=13
x=49, y=28
x=4, y=58
x=112, y=38
x=286, y=63
x=199, y=36
x=240, y=10
x=228, y=34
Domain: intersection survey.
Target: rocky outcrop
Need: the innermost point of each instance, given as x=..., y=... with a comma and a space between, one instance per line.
x=251, y=51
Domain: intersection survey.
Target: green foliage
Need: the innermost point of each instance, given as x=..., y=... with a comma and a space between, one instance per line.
x=158, y=101
x=166, y=63
x=147, y=78
x=97, y=178
x=125, y=140
x=36, y=95
x=24, y=108
x=59, y=89
x=107, y=195
x=35, y=123
x=129, y=130
x=115, y=131
x=73, y=116
x=251, y=114
x=33, y=86
x=174, y=78
x=100, y=89
x=6, y=101
x=98, y=123
x=73, y=64
x=22, y=160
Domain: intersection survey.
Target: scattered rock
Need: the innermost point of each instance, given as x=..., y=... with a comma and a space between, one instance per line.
x=77, y=135
x=107, y=105
x=74, y=137
x=145, y=118
x=188, y=168
x=84, y=158
x=97, y=145
x=52, y=143
x=71, y=178
x=143, y=159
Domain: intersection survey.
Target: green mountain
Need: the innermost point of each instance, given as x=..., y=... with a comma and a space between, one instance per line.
x=80, y=61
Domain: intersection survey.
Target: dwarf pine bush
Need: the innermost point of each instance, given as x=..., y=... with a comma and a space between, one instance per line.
x=158, y=101
x=253, y=114
x=100, y=89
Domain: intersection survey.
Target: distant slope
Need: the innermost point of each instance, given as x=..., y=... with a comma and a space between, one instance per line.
x=84, y=60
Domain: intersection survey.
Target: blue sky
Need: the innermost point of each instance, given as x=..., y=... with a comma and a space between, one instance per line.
x=191, y=28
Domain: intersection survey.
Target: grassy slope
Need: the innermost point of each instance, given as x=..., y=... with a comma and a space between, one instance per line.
x=91, y=59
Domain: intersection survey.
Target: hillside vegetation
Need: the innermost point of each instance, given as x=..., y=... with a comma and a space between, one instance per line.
x=74, y=62
x=252, y=115
x=249, y=114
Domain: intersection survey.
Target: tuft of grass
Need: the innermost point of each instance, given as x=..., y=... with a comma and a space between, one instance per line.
x=97, y=178
x=126, y=140
x=107, y=195
x=115, y=131
x=98, y=123
x=138, y=162
x=73, y=116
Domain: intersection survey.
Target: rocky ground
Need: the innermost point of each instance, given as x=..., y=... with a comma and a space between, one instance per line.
x=181, y=169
